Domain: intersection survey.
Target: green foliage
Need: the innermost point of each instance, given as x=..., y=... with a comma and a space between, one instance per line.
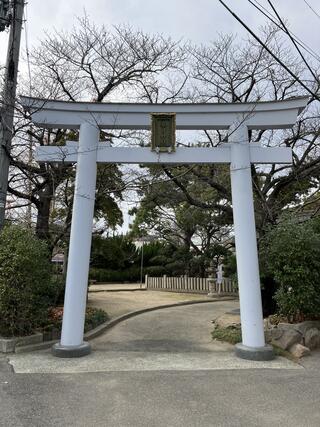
x=113, y=253
x=104, y=275
x=184, y=210
x=116, y=259
x=231, y=335
x=26, y=289
x=94, y=317
x=230, y=266
x=290, y=252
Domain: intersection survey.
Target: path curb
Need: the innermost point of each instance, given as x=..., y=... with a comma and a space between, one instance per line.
x=113, y=322
x=94, y=291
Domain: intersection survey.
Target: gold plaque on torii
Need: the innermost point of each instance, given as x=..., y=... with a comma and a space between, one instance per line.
x=163, y=132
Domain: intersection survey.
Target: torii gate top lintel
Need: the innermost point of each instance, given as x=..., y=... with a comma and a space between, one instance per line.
x=190, y=116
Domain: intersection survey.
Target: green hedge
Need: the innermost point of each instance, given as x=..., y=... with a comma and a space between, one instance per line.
x=126, y=275
x=26, y=288
x=104, y=275
x=290, y=253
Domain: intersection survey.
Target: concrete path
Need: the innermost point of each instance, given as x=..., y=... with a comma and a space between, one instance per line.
x=114, y=287
x=169, y=339
x=159, y=369
x=116, y=303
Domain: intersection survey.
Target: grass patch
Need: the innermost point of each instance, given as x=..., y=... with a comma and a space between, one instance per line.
x=233, y=336
x=278, y=351
x=230, y=335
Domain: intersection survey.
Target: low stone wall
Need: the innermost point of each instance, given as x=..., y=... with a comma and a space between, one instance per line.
x=8, y=345
x=298, y=338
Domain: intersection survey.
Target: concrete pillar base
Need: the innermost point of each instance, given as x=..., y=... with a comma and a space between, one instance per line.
x=68, y=351
x=254, y=353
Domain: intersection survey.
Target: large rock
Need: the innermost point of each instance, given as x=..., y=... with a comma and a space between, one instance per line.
x=288, y=338
x=312, y=338
x=299, y=350
x=303, y=327
x=228, y=320
x=275, y=333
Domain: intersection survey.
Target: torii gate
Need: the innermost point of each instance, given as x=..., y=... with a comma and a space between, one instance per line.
x=237, y=118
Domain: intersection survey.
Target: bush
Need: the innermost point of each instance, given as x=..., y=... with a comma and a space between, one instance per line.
x=290, y=253
x=156, y=271
x=94, y=317
x=110, y=276
x=24, y=281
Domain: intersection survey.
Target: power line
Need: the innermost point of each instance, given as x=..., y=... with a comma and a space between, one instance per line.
x=296, y=78
x=315, y=12
x=293, y=41
x=268, y=15
x=27, y=45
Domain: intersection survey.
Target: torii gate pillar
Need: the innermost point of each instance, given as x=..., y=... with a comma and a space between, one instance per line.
x=253, y=341
x=71, y=343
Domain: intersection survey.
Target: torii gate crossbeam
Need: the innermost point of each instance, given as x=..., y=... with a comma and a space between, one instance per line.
x=237, y=118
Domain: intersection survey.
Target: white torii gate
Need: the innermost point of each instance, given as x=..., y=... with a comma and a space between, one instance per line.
x=237, y=118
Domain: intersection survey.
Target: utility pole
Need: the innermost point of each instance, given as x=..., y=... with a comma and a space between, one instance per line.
x=9, y=93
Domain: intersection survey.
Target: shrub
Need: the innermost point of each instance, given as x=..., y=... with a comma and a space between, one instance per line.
x=290, y=253
x=94, y=317
x=24, y=281
x=156, y=271
x=126, y=275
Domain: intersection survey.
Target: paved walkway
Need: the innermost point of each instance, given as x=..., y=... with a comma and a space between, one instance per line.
x=116, y=303
x=159, y=369
x=168, y=339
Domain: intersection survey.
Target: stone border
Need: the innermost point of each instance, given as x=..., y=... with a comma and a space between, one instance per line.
x=94, y=291
x=8, y=345
x=113, y=322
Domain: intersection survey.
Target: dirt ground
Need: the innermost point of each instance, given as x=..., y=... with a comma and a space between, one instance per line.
x=120, y=299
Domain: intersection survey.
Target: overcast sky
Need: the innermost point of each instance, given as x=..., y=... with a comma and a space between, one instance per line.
x=196, y=20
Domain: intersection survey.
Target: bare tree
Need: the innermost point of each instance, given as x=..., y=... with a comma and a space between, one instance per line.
x=88, y=63
x=227, y=71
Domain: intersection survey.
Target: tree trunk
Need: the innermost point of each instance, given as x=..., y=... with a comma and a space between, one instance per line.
x=42, y=226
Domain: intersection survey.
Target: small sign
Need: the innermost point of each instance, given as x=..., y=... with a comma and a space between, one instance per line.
x=163, y=132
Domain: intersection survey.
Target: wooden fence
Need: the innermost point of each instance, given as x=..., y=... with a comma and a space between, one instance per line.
x=191, y=284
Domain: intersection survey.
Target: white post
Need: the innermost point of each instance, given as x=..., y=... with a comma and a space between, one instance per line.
x=72, y=344
x=253, y=342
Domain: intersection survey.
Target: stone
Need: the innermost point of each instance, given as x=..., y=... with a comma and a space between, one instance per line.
x=303, y=327
x=276, y=333
x=254, y=353
x=8, y=345
x=228, y=321
x=312, y=338
x=299, y=350
x=287, y=339
x=30, y=339
x=71, y=351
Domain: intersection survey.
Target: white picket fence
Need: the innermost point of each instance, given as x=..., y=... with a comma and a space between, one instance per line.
x=191, y=284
